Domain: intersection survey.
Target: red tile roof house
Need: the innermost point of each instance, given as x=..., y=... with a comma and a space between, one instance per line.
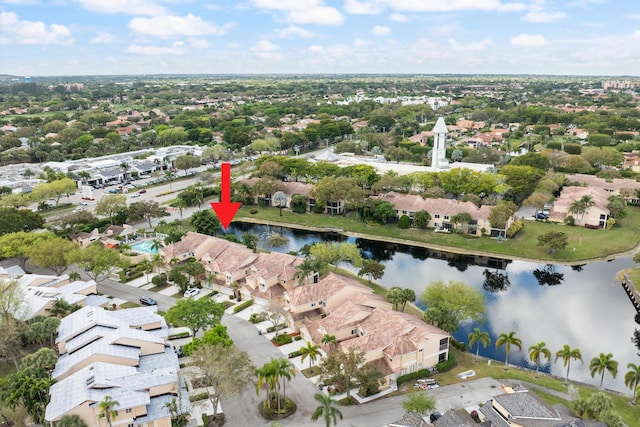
x=441, y=211
x=595, y=216
x=396, y=343
x=626, y=187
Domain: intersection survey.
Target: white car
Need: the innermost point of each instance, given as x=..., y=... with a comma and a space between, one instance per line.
x=191, y=292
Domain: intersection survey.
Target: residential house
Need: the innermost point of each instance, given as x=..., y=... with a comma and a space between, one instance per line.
x=615, y=186
x=595, y=216
x=271, y=274
x=632, y=161
x=192, y=245
x=441, y=211
x=42, y=291
x=122, y=354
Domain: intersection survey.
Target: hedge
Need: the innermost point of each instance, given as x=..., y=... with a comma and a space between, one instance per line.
x=294, y=354
x=515, y=228
x=242, y=306
x=447, y=364
x=180, y=335
x=199, y=396
x=283, y=339
x=422, y=373
x=273, y=328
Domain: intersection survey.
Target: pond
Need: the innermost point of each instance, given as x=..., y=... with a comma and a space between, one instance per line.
x=583, y=306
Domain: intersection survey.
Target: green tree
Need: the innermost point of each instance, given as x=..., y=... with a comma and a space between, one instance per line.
x=395, y=296
x=110, y=205
x=279, y=200
x=508, y=340
x=501, y=212
x=566, y=354
x=107, y=408
x=341, y=367
x=13, y=220
x=71, y=421
x=196, y=314
x=98, y=261
x=206, y=222
x=419, y=401
x=450, y=304
x=226, y=371
x=311, y=351
x=601, y=364
x=53, y=254
x=632, y=380
x=250, y=240
x=186, y=161
x=329, y=340
x=480, y=337
x=536, y=352
x=306, y=268
x=327, y=410
x=145, y=209
x=18, y=245
x=553, y=241
x=421, y=219
x=408, y=295
x=372, y=269
x=54, y=189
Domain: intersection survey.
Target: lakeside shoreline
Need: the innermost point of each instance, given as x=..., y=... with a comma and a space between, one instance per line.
x=452, y=249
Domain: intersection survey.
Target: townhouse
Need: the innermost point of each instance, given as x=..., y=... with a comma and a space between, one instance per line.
x=595, y=216
x=441, y=211
x=123, y=354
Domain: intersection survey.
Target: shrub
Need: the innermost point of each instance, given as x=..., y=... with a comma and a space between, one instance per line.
x=515, y=228
x=447, y=364
x=180, y=335
x=297, y=338
x=253, y=211
x=570, y=221
x=283, y=339
x=404, y=222
x=160, y=280
x=257, y=317
x=200, y=396
x=294, y=354
x=242, y=306
x=459, y=345
x=422, y=373
x=273, y=328
x=474, y=414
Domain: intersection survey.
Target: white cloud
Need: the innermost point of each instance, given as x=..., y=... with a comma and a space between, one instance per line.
x=362, y=7
x=322, y=15
x=361, y=43
x=265, y=49
x=304, y=11
x=481, y=45
x=453, y=5
x=634, y=16
x=294, y=31
x=198, y=43
x=15, y=31
x=636, y=34
x=177, y=48
x=381, y=30
x=398, y=17
x=103, y=38
x=20, y=2
x=129, y=7
x=540, y=16
x=528, y=40
x=168, y=26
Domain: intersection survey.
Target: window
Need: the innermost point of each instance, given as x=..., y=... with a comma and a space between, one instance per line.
x=420, y=350
x=263, y=287
x=419, y=365
x=354, y=332
x=436, y=216
x=313, y=304
x=442, y=357
x=435, y=224
x=412, y=369
x=127, y=411
x=446, y=217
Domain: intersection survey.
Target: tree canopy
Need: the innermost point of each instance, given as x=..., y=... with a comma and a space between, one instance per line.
x=449, y=304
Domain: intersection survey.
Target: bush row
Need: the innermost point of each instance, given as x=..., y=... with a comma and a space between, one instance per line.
x=447, y=364
x=199, y=396
x=180, y=335
x=515, y=228
x=283, y=339
x=242, y=306
x=422, y=373
x=273, y=328
x=294, y=354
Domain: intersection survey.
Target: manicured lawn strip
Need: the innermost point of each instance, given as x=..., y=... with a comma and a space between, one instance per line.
x=129, y=304
x=622, y=406
x=588, y=244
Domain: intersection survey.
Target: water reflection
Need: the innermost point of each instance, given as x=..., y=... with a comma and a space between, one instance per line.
x=583, y=306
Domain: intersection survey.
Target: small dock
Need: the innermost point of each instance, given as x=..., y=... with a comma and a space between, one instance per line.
x=632, y=291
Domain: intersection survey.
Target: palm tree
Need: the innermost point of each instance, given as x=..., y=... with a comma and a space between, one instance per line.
x=107, y=410
x=125, y=167
x=266, y=376
x=330, y=340
x=311, y=350
x=567, y=353
x=601, y=364
x=508, y=340
x=74, y=275
x=537, y=351
x=326, y=410
x=284, y=370
x=481, y=338
x=632, y=380
x=305, y=268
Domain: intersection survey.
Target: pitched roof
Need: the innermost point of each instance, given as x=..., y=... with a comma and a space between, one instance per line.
x=329, y=285
x=441, y=126
x=415, y=203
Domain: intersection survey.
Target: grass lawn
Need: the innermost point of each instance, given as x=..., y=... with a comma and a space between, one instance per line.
x=308, y=373
x=584, y=244
x=465, y=361
x=129, y=304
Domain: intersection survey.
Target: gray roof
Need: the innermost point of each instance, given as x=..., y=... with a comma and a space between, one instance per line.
x=453, y=418
x=12, y=271
x=68, y=361
x=441, y=126
x=525, y=405
x=109, y=173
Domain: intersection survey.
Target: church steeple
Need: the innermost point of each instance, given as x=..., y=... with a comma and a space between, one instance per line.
x=438, y=154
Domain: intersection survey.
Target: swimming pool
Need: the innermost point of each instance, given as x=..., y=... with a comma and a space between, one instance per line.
x=145, y=246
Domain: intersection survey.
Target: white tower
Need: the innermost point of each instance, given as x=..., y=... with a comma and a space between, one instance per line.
x=438, y=154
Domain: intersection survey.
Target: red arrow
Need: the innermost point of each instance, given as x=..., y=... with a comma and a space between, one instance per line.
x=225, y=208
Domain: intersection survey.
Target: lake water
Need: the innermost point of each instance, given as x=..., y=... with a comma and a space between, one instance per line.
x=584, y=306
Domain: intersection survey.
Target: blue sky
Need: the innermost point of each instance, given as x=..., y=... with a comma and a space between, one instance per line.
x=88, y=37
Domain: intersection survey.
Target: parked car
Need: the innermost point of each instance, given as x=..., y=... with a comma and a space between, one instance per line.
x=142, y=191
x=83, y=203
x=148, y=301
x=135, y=195
x=114, y=191
x=542, y=216
x=435, y=416
x=191, y=292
